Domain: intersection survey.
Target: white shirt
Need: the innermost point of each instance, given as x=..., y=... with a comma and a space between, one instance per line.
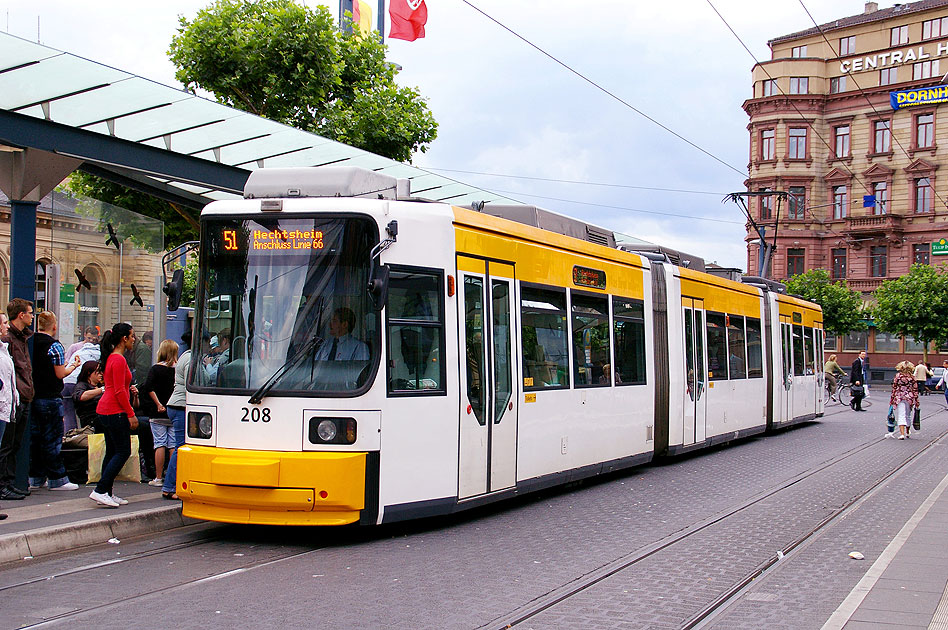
x=348, y=348
x=87, y=352
x=9, y=397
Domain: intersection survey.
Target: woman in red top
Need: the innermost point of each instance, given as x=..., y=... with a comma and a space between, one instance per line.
x=116, y=416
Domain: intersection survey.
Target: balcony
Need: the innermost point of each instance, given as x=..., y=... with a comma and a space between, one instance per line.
x=889, y=225
x=864, y=285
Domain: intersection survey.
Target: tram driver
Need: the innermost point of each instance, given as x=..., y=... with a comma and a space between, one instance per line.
x=342, y=346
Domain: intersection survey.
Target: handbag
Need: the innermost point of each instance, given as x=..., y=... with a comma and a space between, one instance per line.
x=890, y=420
x=130, y=470
x=857, y=390
x=917, y=420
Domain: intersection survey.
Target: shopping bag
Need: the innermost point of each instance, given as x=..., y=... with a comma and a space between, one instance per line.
x=917, y=420
x=890, y=420
x=130, y=471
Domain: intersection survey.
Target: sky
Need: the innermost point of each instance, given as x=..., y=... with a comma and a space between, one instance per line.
x=514, y=121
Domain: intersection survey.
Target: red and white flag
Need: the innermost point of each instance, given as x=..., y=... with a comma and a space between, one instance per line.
x=408, y=19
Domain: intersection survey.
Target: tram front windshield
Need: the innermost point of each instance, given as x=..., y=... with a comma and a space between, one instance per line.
x=283, y=306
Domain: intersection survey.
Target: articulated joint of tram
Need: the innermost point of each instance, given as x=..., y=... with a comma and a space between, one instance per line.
x=274, y=488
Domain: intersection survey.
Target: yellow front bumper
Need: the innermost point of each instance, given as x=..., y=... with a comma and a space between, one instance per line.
x=271, y=487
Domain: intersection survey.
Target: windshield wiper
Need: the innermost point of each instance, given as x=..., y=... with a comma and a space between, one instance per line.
x=262, y=391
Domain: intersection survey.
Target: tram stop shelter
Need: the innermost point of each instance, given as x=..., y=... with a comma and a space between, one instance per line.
x=60, y=113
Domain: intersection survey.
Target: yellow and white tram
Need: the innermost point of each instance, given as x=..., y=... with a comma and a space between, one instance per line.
x=380, y=358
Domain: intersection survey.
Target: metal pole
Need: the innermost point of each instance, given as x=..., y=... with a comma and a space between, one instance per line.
x=23, y=285
x=381, y=20
x=344, y=5
x=121, y=280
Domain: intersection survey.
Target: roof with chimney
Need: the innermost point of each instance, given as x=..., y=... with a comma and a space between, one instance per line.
x=895, y=11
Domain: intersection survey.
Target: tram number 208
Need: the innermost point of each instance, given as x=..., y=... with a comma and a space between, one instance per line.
x=255, y=414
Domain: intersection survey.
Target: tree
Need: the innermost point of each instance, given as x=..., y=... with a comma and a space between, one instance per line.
x=283, y=61
x=914, y=305
x=843, y=308
x=189, y=288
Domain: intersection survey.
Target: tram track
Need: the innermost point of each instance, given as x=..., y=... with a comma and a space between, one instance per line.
x=140, y=555
x=163, y=591
x=530, y=610
x=729, y=595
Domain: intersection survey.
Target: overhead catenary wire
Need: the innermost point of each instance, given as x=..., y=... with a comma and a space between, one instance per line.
x=573, y=181
x=601, y=88
x=627, y=209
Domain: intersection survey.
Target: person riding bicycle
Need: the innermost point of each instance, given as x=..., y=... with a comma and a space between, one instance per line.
x=830, y=370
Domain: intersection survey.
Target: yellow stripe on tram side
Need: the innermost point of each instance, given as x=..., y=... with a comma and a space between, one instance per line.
x=720, y=295
x=807, y=314
x=472, y=265
x=543, y=257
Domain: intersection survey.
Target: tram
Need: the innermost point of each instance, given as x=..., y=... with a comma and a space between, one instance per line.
x=362, y=356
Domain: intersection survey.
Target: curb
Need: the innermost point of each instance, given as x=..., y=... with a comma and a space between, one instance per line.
x=48, y=540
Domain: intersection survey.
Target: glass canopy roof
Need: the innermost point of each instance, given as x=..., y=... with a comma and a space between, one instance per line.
x=48, y=84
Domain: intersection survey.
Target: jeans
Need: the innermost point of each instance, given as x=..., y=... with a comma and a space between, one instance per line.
x=69, y=410
x=46, y=443
x=177, y=423
x=118, y=448
x=3, y=426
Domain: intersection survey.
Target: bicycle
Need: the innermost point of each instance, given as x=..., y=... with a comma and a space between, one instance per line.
x=840, y=393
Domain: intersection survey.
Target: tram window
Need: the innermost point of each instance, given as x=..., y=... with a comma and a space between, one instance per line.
x=798, y=352
x=629, y=340
x=755, y=367
x=717, y=347
x=476, y=360
x=590, y=341
x=415, y=332
x=809, y=359
x=736, y=357
x=544, y=337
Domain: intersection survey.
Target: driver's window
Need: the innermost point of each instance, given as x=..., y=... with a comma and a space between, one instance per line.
x=415, y=316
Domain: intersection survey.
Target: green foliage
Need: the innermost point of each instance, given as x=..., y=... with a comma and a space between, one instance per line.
x=180, y=225
x=281, y=60
x=915, y=304
x=843, y=308
x=189, y=290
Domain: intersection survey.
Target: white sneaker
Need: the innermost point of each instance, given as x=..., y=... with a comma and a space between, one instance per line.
x=119, y=500
x=103, y=499
x=66, y=486
x=157, y=481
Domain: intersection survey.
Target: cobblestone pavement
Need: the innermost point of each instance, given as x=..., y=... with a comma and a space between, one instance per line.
x=485, y=568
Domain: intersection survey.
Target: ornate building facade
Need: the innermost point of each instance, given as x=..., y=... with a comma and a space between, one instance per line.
x=848, y=118
x=71, y=235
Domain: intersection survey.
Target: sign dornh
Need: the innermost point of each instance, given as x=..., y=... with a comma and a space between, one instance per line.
x=894, y=58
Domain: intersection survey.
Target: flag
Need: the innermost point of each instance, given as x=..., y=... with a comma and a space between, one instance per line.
x=362, y=16
x=408, y=19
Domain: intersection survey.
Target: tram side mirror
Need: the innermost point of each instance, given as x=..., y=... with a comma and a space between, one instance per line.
x=173, y=289
x=378, y=286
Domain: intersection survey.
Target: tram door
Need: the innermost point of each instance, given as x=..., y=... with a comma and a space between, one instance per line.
x=488, y=431
x=785, y=408
x=695, y=402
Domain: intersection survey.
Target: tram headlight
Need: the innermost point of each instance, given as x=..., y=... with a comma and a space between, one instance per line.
x=332, y=430
x=327, y=430
x=200, y=425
